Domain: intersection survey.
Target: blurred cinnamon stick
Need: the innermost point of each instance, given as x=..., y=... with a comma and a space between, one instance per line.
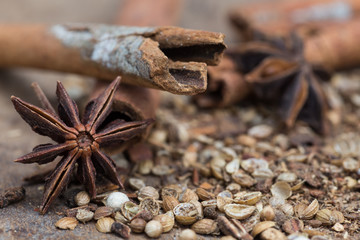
x=335, y=47
x=168, y=58
x=226, y=82
x=278, y=17
x=330, y=41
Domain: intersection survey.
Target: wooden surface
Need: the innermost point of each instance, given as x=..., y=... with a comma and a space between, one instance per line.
x=20, y=221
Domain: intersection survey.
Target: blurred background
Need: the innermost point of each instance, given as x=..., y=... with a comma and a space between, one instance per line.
x=200, y=14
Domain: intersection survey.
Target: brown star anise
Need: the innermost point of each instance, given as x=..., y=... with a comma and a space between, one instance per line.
x=278, y=72
x=79, y=140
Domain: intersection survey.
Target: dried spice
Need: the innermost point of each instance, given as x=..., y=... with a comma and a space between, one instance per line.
x=188, y=234
x=168, y=58
x=331, y=40
x=279, y=17
x=11, y=195
x=82, y=198
x=233, y=227
x=153, y=229
x=278, y=73
x=136, y=104
x=167, y=221
x=116, y=199
x=226, y=85
x=204, y=226
x=79, y=141
x=296, y=165
x=67, y=223
x=262, y=226
x=121, y=230
x=84, y=215
x=104, y=224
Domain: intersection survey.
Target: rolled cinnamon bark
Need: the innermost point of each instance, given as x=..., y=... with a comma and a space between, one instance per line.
x=333, y=45
x=136, y=102
x=337, y=47
x=167, y=58
x=226, y=86
x=278, y=17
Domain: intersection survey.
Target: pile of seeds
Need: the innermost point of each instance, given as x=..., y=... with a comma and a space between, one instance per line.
x=235, y=174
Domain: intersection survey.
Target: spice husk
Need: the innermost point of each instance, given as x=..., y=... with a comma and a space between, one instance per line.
x=11, y=195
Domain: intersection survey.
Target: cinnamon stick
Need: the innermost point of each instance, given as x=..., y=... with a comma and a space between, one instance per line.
x=333, y=45
x=167, y=58
x=337, y=47
x=136, y=102
x=278, y=17
x=226, y=86
x=226, y=82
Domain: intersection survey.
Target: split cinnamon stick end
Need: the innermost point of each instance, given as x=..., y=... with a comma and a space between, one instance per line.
x=190, y=77
x=181, y=44
x=167, y=58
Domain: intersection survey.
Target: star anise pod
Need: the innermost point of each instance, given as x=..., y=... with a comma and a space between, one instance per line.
x=278, y=72
x=79, y=139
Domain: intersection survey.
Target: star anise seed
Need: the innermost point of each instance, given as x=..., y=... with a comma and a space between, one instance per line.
x=79, y=140
x=278, y=72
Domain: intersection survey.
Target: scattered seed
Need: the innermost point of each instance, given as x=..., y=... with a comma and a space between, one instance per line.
x=116, y=199
x=153, y=229
x=121, y=230
x=67, y=223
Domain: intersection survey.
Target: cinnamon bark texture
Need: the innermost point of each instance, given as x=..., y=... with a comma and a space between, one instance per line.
x=167, y=58
x=281, y=16
x=226, y=86
x=136, y=102
x=337, y=48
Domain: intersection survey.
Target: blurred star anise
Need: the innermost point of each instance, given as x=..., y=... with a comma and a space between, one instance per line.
x=79, y=140
x=279, y=73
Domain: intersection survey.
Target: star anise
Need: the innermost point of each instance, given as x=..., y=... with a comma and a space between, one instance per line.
x=79, y=140
x=278, y=73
